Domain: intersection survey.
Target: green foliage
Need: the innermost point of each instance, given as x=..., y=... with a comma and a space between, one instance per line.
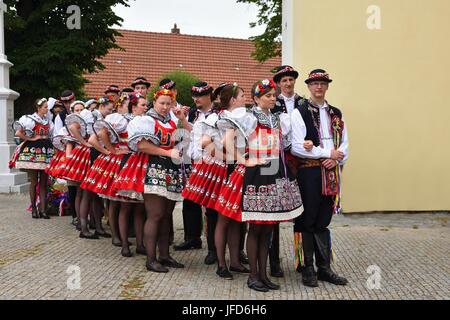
x=268, y=44
x=184, y=81
x=48, y=57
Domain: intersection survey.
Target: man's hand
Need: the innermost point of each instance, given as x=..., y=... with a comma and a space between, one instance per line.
x=337, y=155
x=308, y=145
x=329, y=163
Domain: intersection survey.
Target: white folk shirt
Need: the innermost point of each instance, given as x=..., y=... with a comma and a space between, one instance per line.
x=290, y=103
x=299, y=134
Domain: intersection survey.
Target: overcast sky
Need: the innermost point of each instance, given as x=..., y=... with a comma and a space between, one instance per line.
x=220, y=18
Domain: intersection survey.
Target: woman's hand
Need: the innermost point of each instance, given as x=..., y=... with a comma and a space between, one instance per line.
x=174, y=154
x=121, y=151
x=179, y=113
x=86, y=144
x=254, y=162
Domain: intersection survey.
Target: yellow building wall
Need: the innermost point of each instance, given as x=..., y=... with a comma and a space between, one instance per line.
x=393, y=86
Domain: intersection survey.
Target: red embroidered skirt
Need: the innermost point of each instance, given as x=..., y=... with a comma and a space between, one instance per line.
x=100, y=177
x=205, y=182
x=77, y=164
x=55, y=164
x=129, y=182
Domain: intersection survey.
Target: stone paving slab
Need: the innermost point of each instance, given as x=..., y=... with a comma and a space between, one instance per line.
x=410, y=250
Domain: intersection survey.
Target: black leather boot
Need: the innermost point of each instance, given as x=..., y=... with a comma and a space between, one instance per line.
x=309, y=276
x=274, y=254
x=322, y=245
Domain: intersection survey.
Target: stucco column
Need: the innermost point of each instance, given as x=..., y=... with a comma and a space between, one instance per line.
x=10, y=180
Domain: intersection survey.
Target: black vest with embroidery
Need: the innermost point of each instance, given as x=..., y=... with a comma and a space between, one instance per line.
x=194, y=113
x=280, y=104
x=311, y=131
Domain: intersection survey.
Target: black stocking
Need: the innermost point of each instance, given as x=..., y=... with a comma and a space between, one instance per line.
x=263, y=252
x=253, y=249
x=220, y=238
x=155, y=206
x=234, y=239
x=78, y=198
x=113, y=213
x=139, y=220
x=43, y=181
x=33, y=174
x=125, y=209
x=164, y=234
x=85, y=207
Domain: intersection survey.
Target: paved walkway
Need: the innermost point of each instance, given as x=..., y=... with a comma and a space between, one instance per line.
x=410, y=251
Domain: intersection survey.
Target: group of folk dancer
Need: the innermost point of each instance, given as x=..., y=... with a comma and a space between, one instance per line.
x=246, y=169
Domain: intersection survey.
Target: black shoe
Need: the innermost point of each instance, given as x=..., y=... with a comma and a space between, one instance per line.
x=155, y=266
x=309, y=277
x=256, y=285
x=34, y=213
x=75, y=222
x=171, y=263
x=90, y=236
x=276, y=271
x=211, y=258
x=243, y=270
x=223, y=272
x=141, y=251
x=44, y=215
x=190, y=244
x=126, y=253
x=328, y=275
x=243, y=257
x=116, y=242
x=269, y=284
x=102, y=234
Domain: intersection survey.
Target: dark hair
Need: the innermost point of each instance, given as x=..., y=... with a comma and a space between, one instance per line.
x=134, y=100
x=228, y=92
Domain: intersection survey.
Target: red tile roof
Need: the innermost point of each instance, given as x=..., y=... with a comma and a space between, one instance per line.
x=149, y=54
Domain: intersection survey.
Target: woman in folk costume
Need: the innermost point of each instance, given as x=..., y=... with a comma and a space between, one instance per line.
x=113, y=133
x=35, y=153
x=99, y=178
x=64, y=143
x=261, y=190
x=155, y=174
x=81, y=160
x=226, y=230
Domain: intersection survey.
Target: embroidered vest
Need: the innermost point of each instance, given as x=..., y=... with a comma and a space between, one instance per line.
x=165, y=132
x=280, y=104
x=305, y=109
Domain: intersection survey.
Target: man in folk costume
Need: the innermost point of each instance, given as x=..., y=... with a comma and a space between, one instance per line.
x=319, y=177
x=192, y=212
x=285, y=78
x=141, y=86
